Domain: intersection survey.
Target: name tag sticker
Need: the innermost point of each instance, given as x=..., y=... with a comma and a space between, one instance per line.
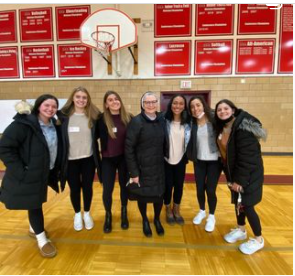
x=74, y=129
x=114, y=129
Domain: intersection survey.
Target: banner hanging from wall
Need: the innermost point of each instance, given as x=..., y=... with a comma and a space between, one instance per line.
x=256, y=19
x=255, y=56
x=74, y=60
x=9, y=62
x=38, y=61
x=8, y=27
x=214, y=19
x=68, y=21
x=173, y=20
x=36, y=24
x=286, y=40
x=213, y=57
x=172, y=58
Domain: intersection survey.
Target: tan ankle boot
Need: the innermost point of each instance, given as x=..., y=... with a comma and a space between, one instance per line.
x=169, y=215
x=178, y=218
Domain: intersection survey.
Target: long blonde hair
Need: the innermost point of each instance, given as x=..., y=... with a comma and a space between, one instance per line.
x=107, y=116
x=91, y=111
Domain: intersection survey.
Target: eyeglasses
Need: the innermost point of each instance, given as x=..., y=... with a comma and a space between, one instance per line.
x=150, y=103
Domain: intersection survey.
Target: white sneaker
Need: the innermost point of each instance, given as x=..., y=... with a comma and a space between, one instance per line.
x=88, y=221
x=210, y=224
x=78, y=223
x=251, y=246
x=235, y=235
x=199, y=217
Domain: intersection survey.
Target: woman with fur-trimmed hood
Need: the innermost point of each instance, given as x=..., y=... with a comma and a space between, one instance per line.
x=238, y=135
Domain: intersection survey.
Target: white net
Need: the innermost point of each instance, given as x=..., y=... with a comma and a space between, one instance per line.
x=104, y=41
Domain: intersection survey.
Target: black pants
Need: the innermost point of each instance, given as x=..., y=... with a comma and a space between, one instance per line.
x=157, y=210
x=174, y=178
x=36, y=219
x=80, y=176
x=252, y=217
x=206, y=175
x=109, y=167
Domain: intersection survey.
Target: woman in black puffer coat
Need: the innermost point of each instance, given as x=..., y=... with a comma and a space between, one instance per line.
x=30, y=149
x=238, y=135
x=144, y=153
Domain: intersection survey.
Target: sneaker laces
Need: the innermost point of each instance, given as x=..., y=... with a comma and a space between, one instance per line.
x=251, y=243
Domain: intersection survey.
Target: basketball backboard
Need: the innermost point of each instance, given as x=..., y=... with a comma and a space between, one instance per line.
x=121, y=27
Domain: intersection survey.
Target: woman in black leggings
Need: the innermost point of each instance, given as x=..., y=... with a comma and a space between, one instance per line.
x=31, y=151
x=112, y=126
x=238, y=135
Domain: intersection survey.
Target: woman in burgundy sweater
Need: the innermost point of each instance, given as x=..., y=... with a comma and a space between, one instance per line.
x=112, y=131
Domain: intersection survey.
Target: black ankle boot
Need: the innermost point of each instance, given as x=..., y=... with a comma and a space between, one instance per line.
x=159, y=227
x=124, y=218
x=107, y=227
x=146, y=228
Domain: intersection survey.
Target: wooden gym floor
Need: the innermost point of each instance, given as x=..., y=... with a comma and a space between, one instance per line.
x=182, y=250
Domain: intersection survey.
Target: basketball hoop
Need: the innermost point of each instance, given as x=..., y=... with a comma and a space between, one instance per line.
x=104, y=41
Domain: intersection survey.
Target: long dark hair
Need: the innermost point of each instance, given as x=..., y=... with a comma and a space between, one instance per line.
x=220, y=123
x=185, y=118
x=207, y=109
x=40, y=100
x=125, y=116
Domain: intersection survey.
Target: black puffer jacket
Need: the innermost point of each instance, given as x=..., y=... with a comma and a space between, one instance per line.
x=144, y=153
x=24, y=151
x=64, y=121
x=244, y=164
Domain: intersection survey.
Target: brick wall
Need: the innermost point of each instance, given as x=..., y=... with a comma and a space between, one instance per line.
x=268, y=98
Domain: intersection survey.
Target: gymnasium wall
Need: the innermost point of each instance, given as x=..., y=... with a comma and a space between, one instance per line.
x=269, y=97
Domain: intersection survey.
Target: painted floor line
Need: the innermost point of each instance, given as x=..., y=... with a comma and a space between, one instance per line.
x=148, y=244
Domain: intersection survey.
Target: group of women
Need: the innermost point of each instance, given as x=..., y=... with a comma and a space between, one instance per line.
x=149, y=151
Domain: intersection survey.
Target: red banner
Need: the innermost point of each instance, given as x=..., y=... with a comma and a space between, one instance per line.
x=9, y=62
x=214, y=19
x=256, y=19
x=8, y=26
x=173, y=20
x=286, y=40
x=36, y=24
x=172, y=58
x=213, y=57
x=74, y=61
x=38, y=61
x=68, y=21
x=255, y=56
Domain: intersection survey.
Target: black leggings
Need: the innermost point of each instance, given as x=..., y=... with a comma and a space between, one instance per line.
x=174, y=178
x=36, y=219
x=109, y=168
x=80, y=176
x=157, y=210
x=252, y=217
x=206, y=175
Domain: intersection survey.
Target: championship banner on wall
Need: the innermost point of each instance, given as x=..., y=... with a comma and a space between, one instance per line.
x=173, y=20
x=9, y=62
x=38, y=61
x=286, y=40
x=255, y=56
x=256, y=19
x=68, y=21
x=36, y=24
x=172, y=58
x=214, y=19
x=213, y=57
x=74, y=60
x=8, y=27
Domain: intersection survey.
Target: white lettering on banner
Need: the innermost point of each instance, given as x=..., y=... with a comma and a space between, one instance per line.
x=39, y=12
x=76, y=10
x=172, y=26
x=41, y=50
x=38, y=68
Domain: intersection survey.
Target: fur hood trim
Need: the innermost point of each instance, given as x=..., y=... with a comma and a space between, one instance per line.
x=254, y=127
x=23, y=107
